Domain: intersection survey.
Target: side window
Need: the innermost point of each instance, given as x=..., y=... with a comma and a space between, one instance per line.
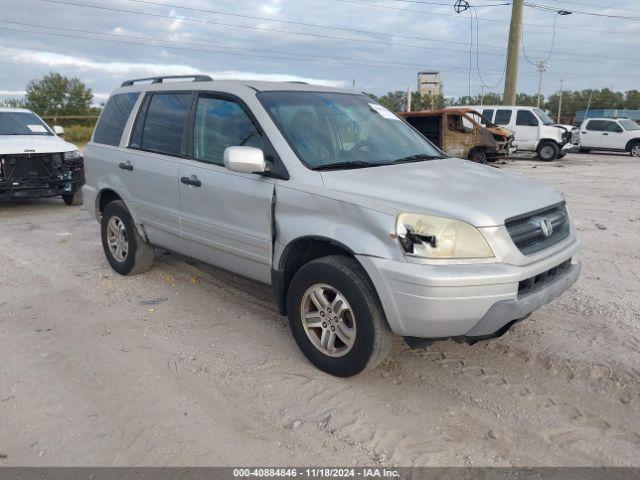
x=219, y=124
x=160, y=128
x=503, y=117
x=526, y=118
x=488, y=114
x=596, y=125
x=612, y=127
x=114, y=118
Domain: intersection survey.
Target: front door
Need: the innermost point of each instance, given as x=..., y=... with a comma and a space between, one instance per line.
x=527, y=129
x=226, y=216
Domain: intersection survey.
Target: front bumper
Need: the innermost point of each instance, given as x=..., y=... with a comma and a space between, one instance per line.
x=464, y=300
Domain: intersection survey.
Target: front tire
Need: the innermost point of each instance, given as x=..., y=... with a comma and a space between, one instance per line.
x=125, y=249
x=336, y=317
x=478, y=155
x=635, y=150
x=548, y=151
x=73, y=199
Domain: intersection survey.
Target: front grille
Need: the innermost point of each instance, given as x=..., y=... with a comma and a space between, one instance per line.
x=533, y=284
x=530, y=231
x=24, y=167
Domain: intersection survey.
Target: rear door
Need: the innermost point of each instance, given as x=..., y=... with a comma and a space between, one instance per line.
x=226, y=216
x=527, y=129
x=152, y=165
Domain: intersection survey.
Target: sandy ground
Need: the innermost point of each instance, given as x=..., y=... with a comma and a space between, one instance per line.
x=188, y=365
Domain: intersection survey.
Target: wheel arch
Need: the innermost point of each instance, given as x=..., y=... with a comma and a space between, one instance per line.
x=297, y=253
x=631, y=143
x=107, y=195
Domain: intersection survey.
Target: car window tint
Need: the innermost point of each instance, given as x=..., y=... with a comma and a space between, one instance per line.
x=526, y=118
x=612, y=127
x=488, y=114
x=219, y=124
x=596, y=125
x=503, y=117
x=164, y=123
x=114, y=118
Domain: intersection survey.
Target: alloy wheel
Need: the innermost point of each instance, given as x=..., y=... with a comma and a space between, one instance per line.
x=328, y=320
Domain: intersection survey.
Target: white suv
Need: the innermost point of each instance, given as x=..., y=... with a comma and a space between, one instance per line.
x=613, y=134
x=533, y=129
x=35, y=162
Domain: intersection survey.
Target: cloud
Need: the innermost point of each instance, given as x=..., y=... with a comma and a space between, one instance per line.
x=124, y=69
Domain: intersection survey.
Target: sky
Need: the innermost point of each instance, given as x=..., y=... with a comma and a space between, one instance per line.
x=378, y=44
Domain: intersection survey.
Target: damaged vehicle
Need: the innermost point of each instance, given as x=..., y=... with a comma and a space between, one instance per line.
x=460, y=133
x=361, y=226
x=35, y=162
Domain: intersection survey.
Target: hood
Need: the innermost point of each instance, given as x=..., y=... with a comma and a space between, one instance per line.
x=477, y=194
x=14, y=144
x=500, y=131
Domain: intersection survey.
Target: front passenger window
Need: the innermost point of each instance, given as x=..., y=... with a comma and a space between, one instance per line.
x=219, y=124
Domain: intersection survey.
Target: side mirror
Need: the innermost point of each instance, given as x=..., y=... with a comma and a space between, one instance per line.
x=245, y=159
x=58, y=130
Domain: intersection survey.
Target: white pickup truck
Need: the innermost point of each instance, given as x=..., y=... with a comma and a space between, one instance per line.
x=612, y=134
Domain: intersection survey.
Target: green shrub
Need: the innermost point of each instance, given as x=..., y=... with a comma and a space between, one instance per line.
x=78, y=134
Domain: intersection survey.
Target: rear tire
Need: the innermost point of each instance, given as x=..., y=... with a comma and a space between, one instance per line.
x=125, y=249
x=73, y=199
x=339, y=282
x=548, y=151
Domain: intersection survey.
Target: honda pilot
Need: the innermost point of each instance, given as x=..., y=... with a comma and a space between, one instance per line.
x=362, y=227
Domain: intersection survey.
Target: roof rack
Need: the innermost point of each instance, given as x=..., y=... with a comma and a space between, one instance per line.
x=196, y=78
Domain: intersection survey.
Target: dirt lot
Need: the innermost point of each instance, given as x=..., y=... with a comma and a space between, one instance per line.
x=187, y=365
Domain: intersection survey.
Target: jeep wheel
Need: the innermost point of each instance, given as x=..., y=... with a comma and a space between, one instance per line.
x=548, y=151
x=635, y=150
x=73, y=199
x=336, y=318
x=125, y=249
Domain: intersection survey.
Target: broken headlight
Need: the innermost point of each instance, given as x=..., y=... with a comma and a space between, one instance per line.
x=73, y=155
x=429, y=236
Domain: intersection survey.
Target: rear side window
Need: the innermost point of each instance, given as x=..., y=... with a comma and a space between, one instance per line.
x=526, y=118
x=503, y=117
x=114, y=117
x=219, y=124
x=160, y=128
x=488, y=114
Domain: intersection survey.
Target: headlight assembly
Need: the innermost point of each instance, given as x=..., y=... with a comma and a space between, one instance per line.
x=429, y=236
x=73, y=155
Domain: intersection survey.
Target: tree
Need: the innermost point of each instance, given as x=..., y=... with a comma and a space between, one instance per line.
x=12, y=103
x=55, y=94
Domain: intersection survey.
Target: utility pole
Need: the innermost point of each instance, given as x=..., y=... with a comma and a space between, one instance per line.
x=560, y=102
x=542, y=67
x=409, y=99
x=513, y=53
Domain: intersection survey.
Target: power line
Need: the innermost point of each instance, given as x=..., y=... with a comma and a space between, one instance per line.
x=485, y=19
x=211, y=48
x=582, y=4
x=551, y=8
x=308, y=34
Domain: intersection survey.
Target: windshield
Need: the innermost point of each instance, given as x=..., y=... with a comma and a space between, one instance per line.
x=342, y=130
x=544, y=118
x=22, y=123
x=629, y=124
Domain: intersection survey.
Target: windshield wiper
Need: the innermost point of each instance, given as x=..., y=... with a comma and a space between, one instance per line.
x=418, y=158
x=347, y=165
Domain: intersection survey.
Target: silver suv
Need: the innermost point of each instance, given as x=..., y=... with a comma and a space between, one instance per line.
x=361, y=226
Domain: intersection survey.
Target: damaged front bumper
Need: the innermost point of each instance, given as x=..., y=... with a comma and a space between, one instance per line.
x=28, y=176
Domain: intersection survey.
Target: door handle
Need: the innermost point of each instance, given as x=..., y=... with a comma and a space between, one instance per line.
x=605, y=134
x=193, y=181
x=126, y=166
